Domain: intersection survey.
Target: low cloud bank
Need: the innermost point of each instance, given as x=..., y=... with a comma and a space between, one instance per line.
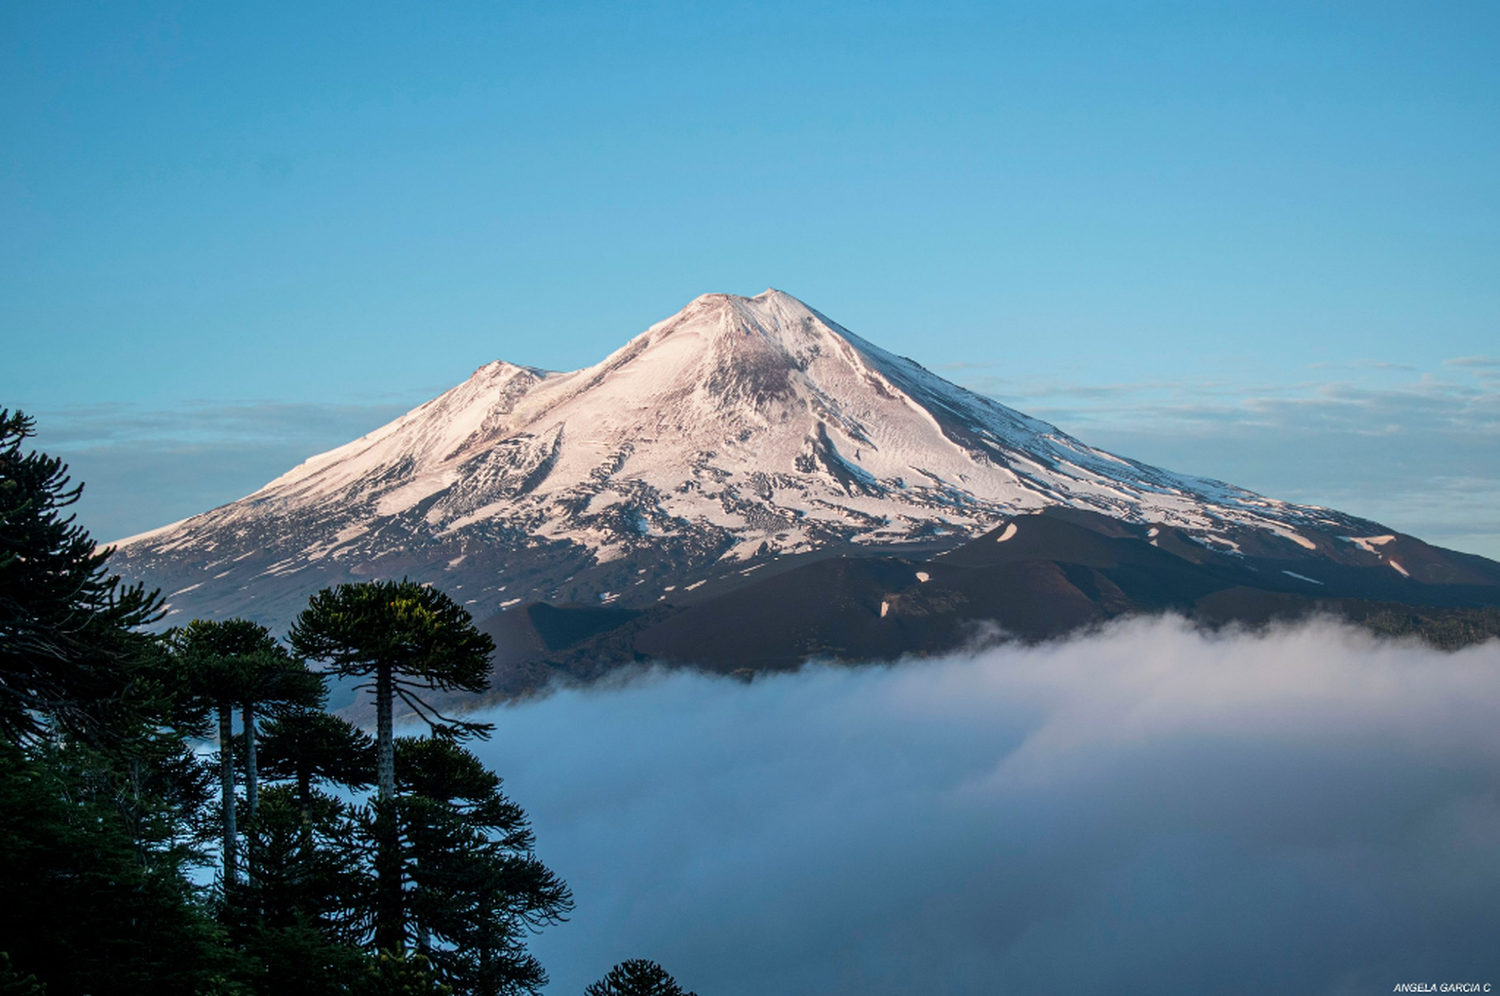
x=1145, y=809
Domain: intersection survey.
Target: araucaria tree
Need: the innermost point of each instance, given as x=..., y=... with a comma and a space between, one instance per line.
x=275, y=683
x=309, y=746
x=637, y=977
x=65, y=622
x=100, y=790
x=404, y=639
x=238, y=662
x=477, y=889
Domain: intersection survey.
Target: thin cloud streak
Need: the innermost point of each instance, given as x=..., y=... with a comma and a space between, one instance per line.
x=145, y=467
x=1475, y=362
x=1144, y=808
x=207, y=421
x=1418, y=453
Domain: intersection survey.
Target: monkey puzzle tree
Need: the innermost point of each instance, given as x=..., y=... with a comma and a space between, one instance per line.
x=309, y=746
x=238, y=662
x=212, y=657
x=65, y=644
x=304, y=909
x=403, y=638
x=274, y=682
x=477, y=889
x=636, y=977
x=308, y=904
x=100, y=790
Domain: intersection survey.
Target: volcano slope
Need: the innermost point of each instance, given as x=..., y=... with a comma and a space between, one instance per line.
x=748, y=483
x=1037, y=577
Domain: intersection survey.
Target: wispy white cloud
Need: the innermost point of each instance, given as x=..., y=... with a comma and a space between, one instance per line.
x=1419, y=451
x=145, y=467
x=1486, y=368
x=1363, y=364
x=207, y=421
x=1143, y=810
x=1476, y=362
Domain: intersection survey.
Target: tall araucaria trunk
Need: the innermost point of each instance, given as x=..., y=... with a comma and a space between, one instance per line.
x=252, y=783
x=226, y=786
x=385, y=772
x=390, y=928
x=304, y=791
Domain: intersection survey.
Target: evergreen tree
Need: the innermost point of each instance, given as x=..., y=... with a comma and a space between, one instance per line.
x=404, y=638
x=219, y=658
x=100, y=794
x=311, y=748
x=65, y=622
x=13, y=983
x=636, y=977
x=477, y=889
x=275, y=682
x=400, y=973
x=301, y=913
x=105, y=805
x=90, y=906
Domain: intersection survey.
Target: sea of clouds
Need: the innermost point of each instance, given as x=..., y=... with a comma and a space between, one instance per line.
x=1144, y=809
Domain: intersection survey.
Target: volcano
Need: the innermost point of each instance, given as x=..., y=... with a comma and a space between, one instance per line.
x=739, y=441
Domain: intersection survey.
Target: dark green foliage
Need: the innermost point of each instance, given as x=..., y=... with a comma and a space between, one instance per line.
x=310, y=868
x=275, y=682
x=107, y=911
x=213, y=659
x=300, y=914
x=99, y=838
x=65, y=624
x=636, y=977
x=420, y=636
x=101, y=799
x=1445, y=629
x=399, y=973
x=13, y=983
x=475, y=889
x=407, y=638
x=312, y=748
x=238, y=662
x=219, y=657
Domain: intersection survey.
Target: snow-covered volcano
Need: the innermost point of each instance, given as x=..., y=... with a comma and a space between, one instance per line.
x=739, y=429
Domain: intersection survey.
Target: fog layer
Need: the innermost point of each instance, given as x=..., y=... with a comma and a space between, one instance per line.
x=1304, y=810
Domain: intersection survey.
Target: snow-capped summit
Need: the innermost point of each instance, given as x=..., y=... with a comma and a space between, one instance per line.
x=738, y=429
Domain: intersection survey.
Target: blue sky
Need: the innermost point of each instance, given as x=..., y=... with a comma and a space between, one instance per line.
x=1256, y=241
